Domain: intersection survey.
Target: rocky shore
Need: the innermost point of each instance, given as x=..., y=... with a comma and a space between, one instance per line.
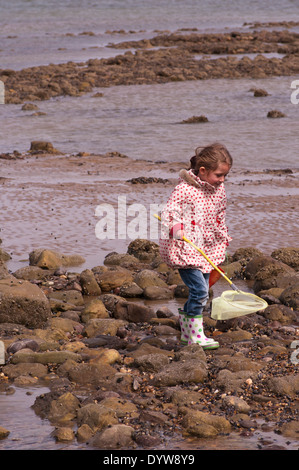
x=117, y=375
x=167, y=57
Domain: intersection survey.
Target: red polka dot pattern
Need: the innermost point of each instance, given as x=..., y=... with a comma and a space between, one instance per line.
x=201, y=209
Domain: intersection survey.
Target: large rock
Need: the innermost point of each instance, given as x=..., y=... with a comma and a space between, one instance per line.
x=133, y=312
x=117, y=436
x=89, y=284
x=189, y=366
x=97, y=417
x=113, y=278
x=199, y=424
x=49, y=259
x=276, y=274
x=289, y=256
x=23, y=303
x=145, y=250
x=148, y=278
x=290, y=296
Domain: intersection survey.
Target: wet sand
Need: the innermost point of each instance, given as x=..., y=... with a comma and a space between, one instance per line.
x=49, y=201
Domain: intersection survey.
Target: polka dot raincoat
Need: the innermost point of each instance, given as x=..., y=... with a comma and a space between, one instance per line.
x=199, y=209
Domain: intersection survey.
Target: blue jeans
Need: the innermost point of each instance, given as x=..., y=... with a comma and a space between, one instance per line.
x=198, y=284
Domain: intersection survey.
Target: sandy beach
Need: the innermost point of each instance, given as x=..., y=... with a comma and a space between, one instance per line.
x=50, y=202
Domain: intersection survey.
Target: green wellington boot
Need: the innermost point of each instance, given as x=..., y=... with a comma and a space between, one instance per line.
x=192, y=331
x=184, y=330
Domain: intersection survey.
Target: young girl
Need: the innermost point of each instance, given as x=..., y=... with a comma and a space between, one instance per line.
x=196, y=209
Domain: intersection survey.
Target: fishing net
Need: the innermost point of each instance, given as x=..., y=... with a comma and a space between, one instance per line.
x=233, y=304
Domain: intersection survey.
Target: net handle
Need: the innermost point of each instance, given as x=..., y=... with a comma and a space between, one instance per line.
x=233, y=286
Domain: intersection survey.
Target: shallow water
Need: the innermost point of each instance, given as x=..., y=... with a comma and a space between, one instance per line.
x=144, y=121
x=35, y=32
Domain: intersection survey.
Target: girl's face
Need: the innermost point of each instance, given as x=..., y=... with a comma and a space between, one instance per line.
x=214, y=177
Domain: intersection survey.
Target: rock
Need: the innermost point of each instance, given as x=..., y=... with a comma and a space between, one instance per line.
x=288, y=385
x=148, y=278
x=33, y=369
x=258, y=92
x=116, y=259
x=88, y=283
x=276, y=274
x=234, y=336
x=181, y=291
x=89, y=375
x=54, y=357
x=65, y=324
x=123, y=408
x=117, y=436
x=145, y=250
x=166, y=330
x=63, y=409
x=22, y=344
x=133, y=312
x=255, y=264
x=84, y=433
x=29, y=107
x=291, y=429
x=32, y=273
x=232, y=382
x=63, y=434
x=146, y=349
x=39, y=146
x=96, y=416
x=49, y=259
x=158, y=293
x=164, y=312
x=23, y=303
x=271, y=295
x=275, y=114
x=114, y=277
x=290, y=296
x=106, y=356
x=205, y=425
x=130, y=290
x=103, y=326
x=195, y=119
x=238, y=404
x=69, y=296
x=4, y=273
x=151, y=362
x=289, y=256
x=4, y=256
x=179, y=372
x=280, y=313
x=3, y=432
x=247, y=254
x=233, y=270
x=94, y=309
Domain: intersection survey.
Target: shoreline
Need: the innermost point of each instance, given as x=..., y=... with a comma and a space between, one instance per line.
x=162, y=59
x=57, y=209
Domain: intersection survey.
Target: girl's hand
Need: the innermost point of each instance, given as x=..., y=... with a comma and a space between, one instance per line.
x=179, y=235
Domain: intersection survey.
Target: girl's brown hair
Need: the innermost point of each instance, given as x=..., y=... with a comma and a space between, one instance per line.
x=209, y=157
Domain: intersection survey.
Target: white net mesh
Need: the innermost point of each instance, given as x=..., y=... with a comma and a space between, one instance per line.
x=233, y=304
